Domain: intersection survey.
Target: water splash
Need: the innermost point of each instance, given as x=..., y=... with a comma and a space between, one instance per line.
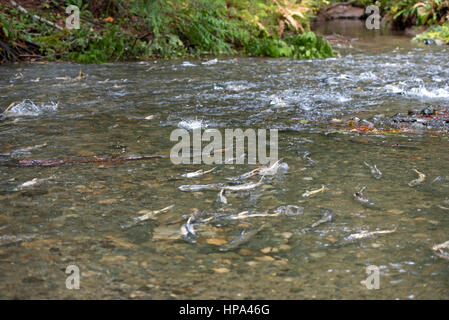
x=192, y=124
x=425, y=93
x=28, y=108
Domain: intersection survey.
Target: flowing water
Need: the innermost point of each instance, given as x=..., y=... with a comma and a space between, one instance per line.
x=75, y=217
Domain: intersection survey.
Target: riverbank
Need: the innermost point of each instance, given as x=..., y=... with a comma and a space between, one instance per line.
x=117, y=30
x=127, y=30
x=426, y=20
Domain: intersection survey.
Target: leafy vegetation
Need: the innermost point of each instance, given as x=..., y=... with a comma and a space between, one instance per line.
x=410, y=13
x=116, y=30
x=436, y=33
x=414, y=12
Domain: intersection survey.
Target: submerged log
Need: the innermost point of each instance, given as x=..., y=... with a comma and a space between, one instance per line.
x=70, y=162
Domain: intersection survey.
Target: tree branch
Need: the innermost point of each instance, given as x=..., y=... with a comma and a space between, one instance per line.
x=34, y=16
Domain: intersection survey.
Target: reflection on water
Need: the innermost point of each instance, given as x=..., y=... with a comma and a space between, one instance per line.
x=73, y=214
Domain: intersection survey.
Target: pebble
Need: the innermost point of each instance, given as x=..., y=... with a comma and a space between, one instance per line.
x=216, y=241
x=264, y=258
x=266, y=250
x=318, y=255
x=245, y=252
x=221, y=270
x=113, y=259
x=287, y=235
x=107, y=201
x=137, y=294
x=395, y=211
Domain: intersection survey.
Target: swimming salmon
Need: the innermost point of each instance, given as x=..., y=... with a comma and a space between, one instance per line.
x=439, y=252
x=328, y=215
x=244, y=187
x=221, y=197
x=363, y=199
x=196, y=173
x=420, y=179
x=367, y=234
x=374, y=171
x=311, y=193
x=187, y=231
x=148, y=215
x=198, y=187
x=244, y=237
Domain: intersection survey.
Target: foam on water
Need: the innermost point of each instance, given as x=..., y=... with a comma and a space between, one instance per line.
x=188, y=64
x=28, y=107
x=425, y=93
x=192, y=124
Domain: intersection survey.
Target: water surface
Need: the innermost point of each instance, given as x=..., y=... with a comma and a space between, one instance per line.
x=76, y=216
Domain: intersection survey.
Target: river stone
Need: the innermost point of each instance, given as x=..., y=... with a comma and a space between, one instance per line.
x=284, y=247
x=343, y=12
x=137, y=294
x=245, y=252
x=395, y=211
x=264, y=258
x=318, y=255
x=265, y=250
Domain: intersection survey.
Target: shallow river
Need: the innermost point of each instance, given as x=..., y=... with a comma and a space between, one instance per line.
x=75, y=216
